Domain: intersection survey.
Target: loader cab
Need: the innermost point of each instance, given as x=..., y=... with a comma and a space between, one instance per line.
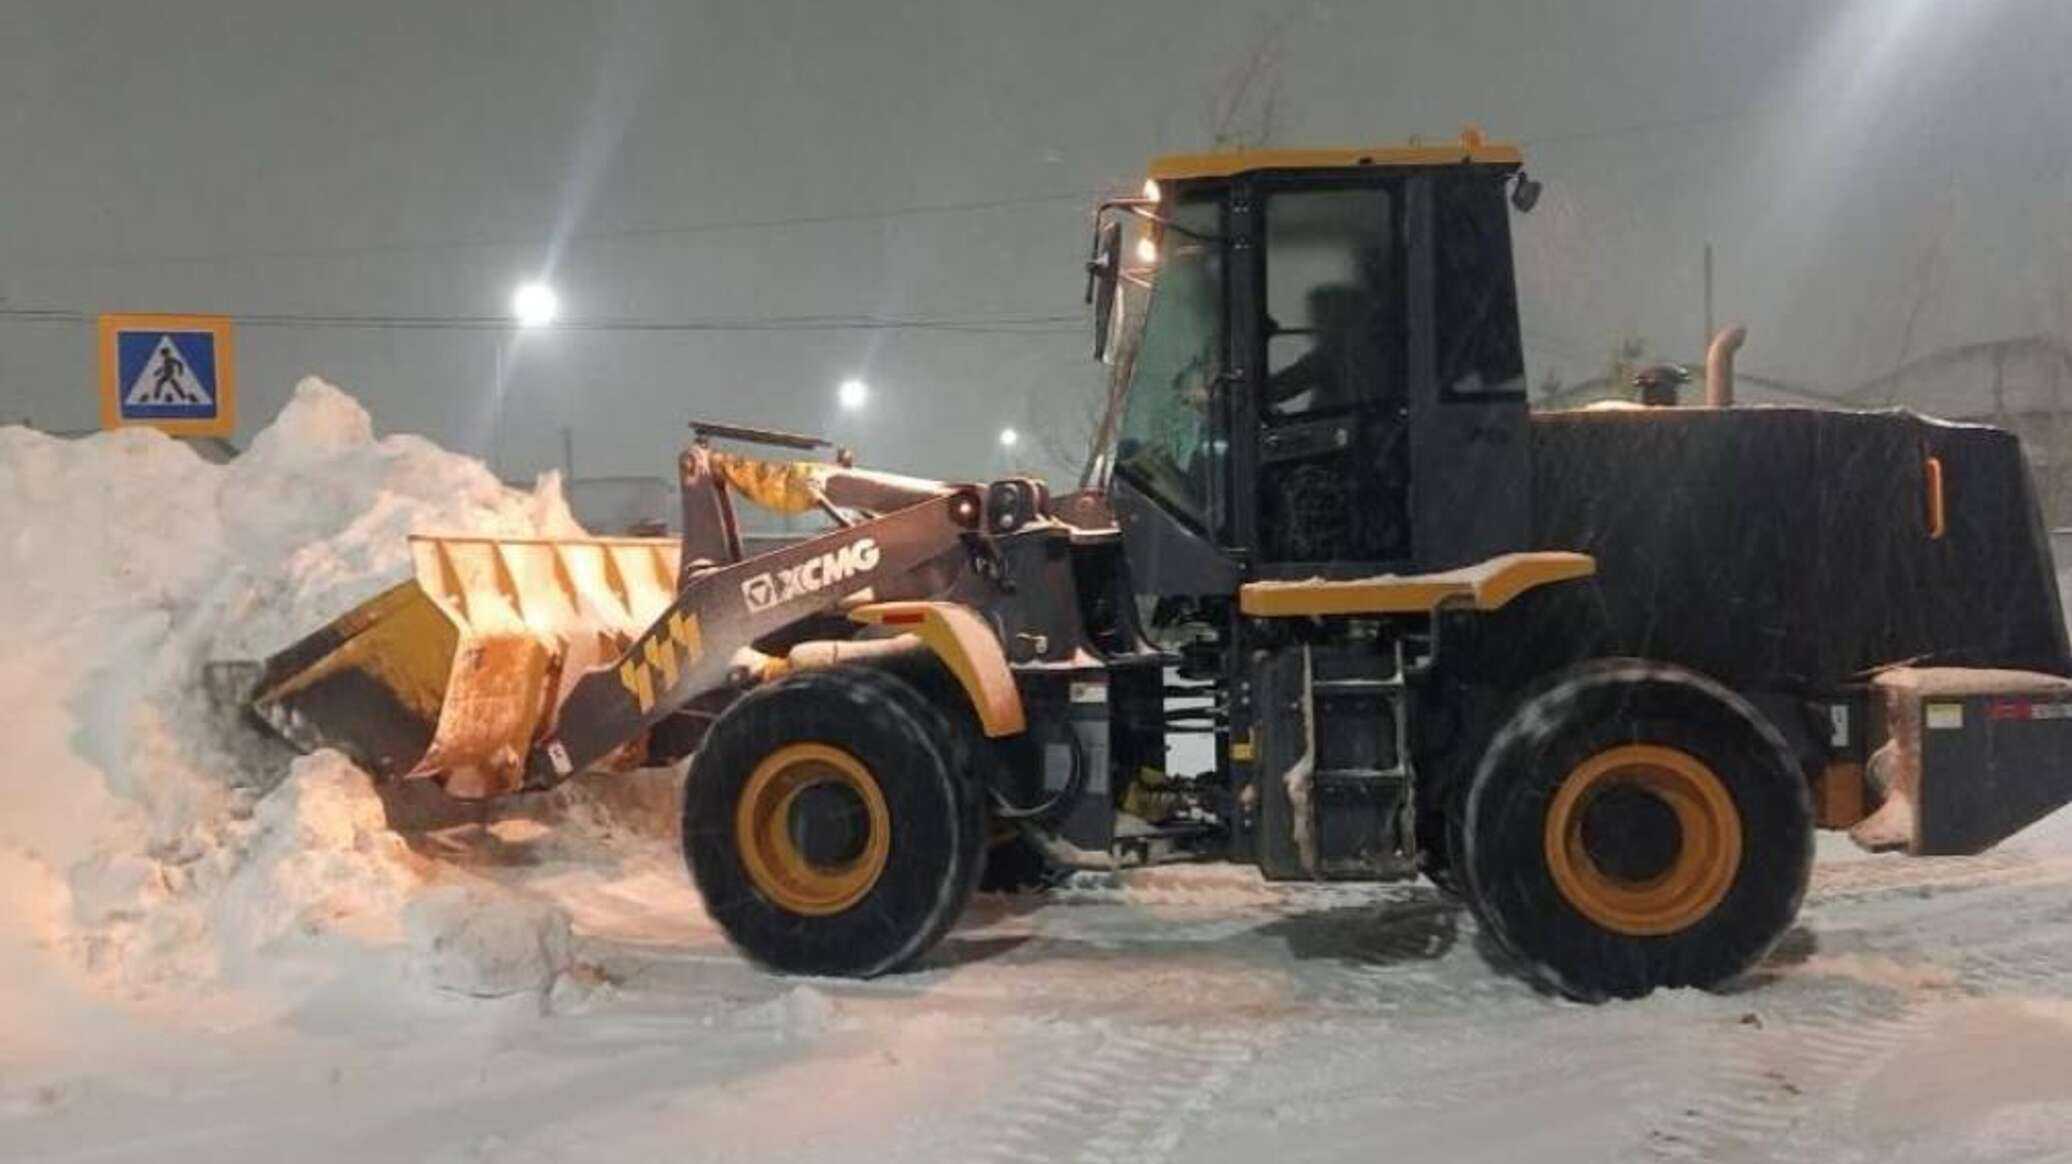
x=1317, y=366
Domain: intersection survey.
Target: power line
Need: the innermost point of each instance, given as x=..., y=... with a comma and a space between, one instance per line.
x=616, y=234
x=609, y=234
x=1009, y=324
x=1643, y=127
x=1036, y=325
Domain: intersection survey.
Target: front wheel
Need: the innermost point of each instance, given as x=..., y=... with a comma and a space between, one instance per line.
x=832, y=823
x=1636, y=825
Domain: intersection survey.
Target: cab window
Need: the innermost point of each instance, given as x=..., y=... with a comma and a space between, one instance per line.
x=1165, y=444
x=1334, y=300
x=1474, y=309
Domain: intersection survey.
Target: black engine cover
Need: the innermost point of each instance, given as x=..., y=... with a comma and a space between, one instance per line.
x=1791, y=545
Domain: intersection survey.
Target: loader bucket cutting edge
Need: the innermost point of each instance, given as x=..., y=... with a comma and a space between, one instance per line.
x=455, y=672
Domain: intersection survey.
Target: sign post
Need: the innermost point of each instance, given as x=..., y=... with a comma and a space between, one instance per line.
x=171, y=372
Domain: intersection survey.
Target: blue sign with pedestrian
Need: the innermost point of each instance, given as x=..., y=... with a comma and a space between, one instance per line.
x=167, y=375
x=168, y=371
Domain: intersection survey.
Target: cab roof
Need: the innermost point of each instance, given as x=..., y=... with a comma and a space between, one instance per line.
x=1469, y=147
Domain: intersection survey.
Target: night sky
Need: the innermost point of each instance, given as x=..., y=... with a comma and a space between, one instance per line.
x=743, y=204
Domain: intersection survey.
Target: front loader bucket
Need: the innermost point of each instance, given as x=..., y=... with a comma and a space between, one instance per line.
x=455, y=672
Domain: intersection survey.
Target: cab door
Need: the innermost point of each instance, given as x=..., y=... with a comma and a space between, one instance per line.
x=1333, y=390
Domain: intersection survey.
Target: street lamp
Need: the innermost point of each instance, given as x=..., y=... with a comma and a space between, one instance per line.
x=535, y=305
x=852, y=394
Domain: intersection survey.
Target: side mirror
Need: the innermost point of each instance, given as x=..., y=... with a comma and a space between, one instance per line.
x=1103, y=272
x=1525, y=193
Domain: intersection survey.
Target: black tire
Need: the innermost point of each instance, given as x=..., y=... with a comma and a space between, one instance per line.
x=933, y=821
x=1568, y=731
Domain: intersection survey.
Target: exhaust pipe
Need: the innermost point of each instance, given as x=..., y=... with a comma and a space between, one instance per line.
x=1719, y=367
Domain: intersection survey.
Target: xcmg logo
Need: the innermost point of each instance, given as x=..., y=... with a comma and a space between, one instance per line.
x=810, y=576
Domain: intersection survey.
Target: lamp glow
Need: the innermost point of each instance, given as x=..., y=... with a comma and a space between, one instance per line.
x=852, y=394
x=535, y=305
x=1009, y=438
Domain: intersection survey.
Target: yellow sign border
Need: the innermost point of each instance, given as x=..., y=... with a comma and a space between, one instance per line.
x=223, y=424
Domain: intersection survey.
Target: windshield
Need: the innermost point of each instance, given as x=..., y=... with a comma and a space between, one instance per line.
x=1164, y=444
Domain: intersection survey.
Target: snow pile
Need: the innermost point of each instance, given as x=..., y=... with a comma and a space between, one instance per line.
x=317, y=859
x=177, y=853
x=472, y=939
x=799, y=1013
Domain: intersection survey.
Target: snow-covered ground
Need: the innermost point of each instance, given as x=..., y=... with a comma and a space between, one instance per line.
x=205, y=955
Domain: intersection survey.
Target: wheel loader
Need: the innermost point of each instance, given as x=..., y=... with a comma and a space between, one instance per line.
x=1599, y=673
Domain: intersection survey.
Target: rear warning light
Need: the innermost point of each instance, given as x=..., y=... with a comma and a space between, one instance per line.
x=1938, y=515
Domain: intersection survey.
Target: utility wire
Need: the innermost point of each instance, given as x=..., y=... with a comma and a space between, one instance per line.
x=1056, y=324
x=603, y=234
x=1026, y=325
x=1644, y=127
x=611, y=234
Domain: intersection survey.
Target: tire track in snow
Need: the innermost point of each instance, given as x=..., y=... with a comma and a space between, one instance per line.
x=1363, y=948
x=1131, y=1101
x=2041, y=969
x=1855, y=880
x=1772, y=1077
x=1418, y=960
x=1824, y=1030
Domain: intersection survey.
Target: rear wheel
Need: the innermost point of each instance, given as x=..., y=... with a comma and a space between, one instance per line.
x=832, y=824
x=1636, y=825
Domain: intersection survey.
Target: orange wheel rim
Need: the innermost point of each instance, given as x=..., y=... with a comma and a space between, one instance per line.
x=765, y=830
x=1697, y=875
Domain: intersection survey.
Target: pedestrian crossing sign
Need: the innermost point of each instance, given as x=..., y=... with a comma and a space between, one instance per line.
x=172, y=372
